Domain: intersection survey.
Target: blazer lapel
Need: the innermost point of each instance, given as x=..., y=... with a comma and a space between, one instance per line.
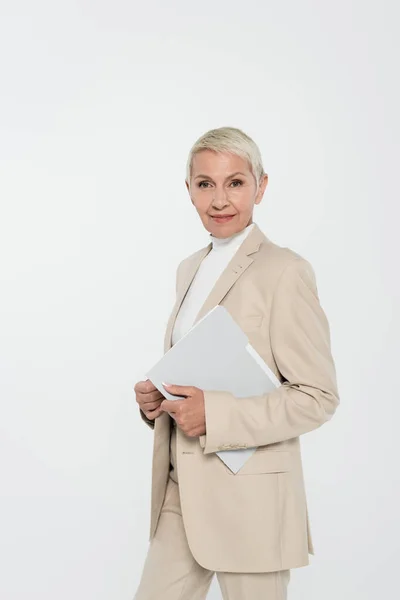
x=241, y=260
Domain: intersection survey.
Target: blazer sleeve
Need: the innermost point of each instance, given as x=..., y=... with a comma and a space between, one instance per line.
x=308, y=397
x=150, y=422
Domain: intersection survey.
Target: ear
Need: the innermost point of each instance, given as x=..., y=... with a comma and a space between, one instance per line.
x=261, y=189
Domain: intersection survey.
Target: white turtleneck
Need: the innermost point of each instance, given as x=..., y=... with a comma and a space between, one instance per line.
x=211, y=267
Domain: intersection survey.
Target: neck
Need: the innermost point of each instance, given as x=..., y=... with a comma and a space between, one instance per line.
x=234, y=239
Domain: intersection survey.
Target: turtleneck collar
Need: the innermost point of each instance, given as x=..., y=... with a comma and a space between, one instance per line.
x=219, y=244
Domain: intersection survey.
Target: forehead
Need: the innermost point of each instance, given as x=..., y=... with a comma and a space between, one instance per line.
x=209, y=162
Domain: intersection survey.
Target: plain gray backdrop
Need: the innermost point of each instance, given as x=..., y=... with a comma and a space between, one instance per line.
x=100, y=103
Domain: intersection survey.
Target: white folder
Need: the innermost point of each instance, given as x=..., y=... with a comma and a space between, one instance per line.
x=215, y=354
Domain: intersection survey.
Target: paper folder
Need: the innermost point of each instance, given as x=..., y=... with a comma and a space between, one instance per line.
x=215, y=354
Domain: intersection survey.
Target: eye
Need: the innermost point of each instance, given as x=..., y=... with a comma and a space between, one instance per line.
x=238, y=181
x=201, y=184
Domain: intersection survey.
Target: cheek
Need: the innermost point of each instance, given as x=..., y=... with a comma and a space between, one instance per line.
x=201, y=200
x=242, y=198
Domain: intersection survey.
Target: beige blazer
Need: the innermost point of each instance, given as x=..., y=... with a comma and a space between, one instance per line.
x=257, y=519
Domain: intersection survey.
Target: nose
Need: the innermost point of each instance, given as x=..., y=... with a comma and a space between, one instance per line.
x=219, y=198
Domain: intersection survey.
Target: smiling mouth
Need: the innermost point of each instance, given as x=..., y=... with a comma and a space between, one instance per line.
x=222, y=216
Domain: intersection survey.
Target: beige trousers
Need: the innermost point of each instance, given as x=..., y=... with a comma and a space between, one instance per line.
x=171, y=573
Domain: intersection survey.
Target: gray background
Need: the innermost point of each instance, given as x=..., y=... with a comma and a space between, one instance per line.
x=100, y=103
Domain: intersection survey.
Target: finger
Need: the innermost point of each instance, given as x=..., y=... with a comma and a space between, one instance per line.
x=144, y=387
x=151, y=405
x=153, y=414
x=171, y=406
x=150, y=387
x=179, y=390
x=151, y=396
x=138, y=387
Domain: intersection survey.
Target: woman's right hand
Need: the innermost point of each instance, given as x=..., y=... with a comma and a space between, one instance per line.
x=149, y=398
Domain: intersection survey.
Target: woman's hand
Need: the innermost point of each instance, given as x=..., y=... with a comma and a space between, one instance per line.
x=188, y=413
x=149, y=399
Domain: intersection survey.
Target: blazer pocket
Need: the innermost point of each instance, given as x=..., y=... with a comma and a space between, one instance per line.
x=267, y=461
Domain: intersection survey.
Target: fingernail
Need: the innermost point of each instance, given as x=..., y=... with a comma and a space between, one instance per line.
x=165, y=384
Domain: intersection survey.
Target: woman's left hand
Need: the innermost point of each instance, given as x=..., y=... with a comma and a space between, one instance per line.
x=188, y=413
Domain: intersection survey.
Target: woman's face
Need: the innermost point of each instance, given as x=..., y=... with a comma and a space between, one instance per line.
x=223, y=184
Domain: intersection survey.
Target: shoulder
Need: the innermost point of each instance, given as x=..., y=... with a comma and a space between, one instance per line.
x=281, y=264
x=189, y=260
x=185, y=264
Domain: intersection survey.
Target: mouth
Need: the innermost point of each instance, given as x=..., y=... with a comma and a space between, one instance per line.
x=222, y=218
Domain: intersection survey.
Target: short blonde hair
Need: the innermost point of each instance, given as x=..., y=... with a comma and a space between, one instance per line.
x=228, y=139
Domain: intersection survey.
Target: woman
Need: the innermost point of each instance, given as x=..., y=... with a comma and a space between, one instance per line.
x=252, y=527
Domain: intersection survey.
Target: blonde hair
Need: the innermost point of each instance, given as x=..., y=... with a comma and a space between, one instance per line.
x=228, y=139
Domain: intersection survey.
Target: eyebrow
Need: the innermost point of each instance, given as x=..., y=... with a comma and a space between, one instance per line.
x=229, y=176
